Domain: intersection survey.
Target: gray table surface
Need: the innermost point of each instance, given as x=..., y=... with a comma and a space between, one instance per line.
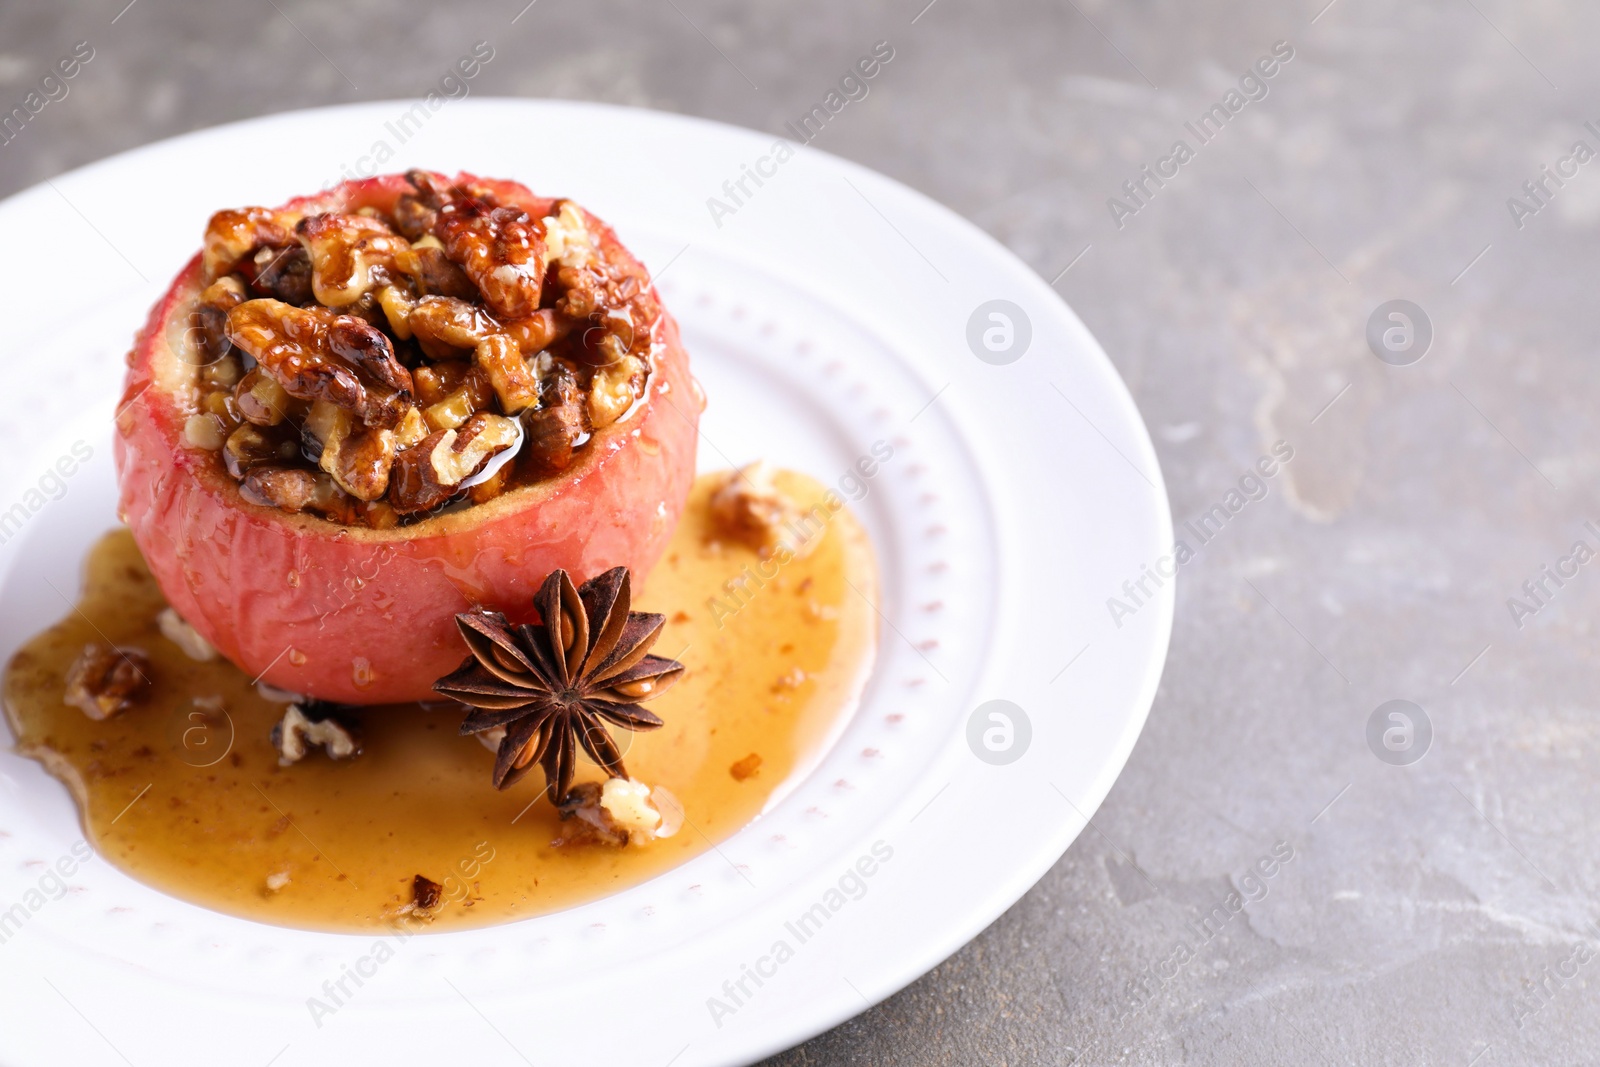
x=1439, y=912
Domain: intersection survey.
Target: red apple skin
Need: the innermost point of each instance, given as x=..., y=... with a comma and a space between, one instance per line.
x=363, y=616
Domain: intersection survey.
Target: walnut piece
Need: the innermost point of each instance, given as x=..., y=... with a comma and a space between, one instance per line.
x=431, y=471
x=566, y=237
x=459, y=454
x=448, y=328
x=362, y=462
x=315, y=354
x=106, y=680
x=426, y=893
x=290, y=345
x=350, y=255
x=250, y=446
x=501, y=249
x=748, y=508
x=614, y=389
x=283, y=274
x=413, y=217
x=175, y=629
x=206, y=431
x=470, y=394
x=233, y=235
x=296, y=734
x=620, y=812
x=261, y=400
x=558, y=424
x=514, y=382
x=432, y=272
x=285, y=488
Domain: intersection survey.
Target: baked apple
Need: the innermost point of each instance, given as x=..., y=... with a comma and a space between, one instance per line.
x=355, y=416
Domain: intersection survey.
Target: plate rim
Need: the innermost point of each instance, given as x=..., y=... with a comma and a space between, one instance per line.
x=1006, y=890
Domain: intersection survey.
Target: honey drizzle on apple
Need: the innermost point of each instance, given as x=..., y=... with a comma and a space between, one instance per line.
x=197, y=806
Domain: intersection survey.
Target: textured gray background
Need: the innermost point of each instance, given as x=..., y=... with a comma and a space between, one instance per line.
x=1424, y=902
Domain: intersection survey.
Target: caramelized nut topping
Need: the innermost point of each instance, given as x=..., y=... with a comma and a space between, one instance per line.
x=414, y=218
x=249, y=447
x=260, y=399
x=559, y=423
x=500, y=249
x=430, y=473
x=515, y=384
x=433, y=273
x=314, y=354
x=349, y=255
x=614, y=390
x=363, y=364
x=448, y=328
x=234, y=235
x=283, y=274
x=286, y=488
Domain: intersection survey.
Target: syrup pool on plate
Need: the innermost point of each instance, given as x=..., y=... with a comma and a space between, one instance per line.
x=185, y=791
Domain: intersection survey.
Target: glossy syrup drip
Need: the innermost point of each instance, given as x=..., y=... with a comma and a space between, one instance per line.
x=194, y=802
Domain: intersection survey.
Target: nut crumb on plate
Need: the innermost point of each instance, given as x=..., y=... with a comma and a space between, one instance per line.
x=426, y=893
x=296, y=734
x=106, y=680
x=490, y=739
x=273, y=695
x=793, y=678
x=748, y=508
x=746, y=768
x=175, y=629
x=618, y=813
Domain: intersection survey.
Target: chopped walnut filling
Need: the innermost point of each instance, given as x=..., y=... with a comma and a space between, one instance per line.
x=105, y=680
x=368, y=366
x=296, y=734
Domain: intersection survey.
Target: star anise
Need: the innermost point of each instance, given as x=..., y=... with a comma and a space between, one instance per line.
x=556, y=685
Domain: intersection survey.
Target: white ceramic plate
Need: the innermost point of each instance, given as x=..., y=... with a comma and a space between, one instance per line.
x=831, y=309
